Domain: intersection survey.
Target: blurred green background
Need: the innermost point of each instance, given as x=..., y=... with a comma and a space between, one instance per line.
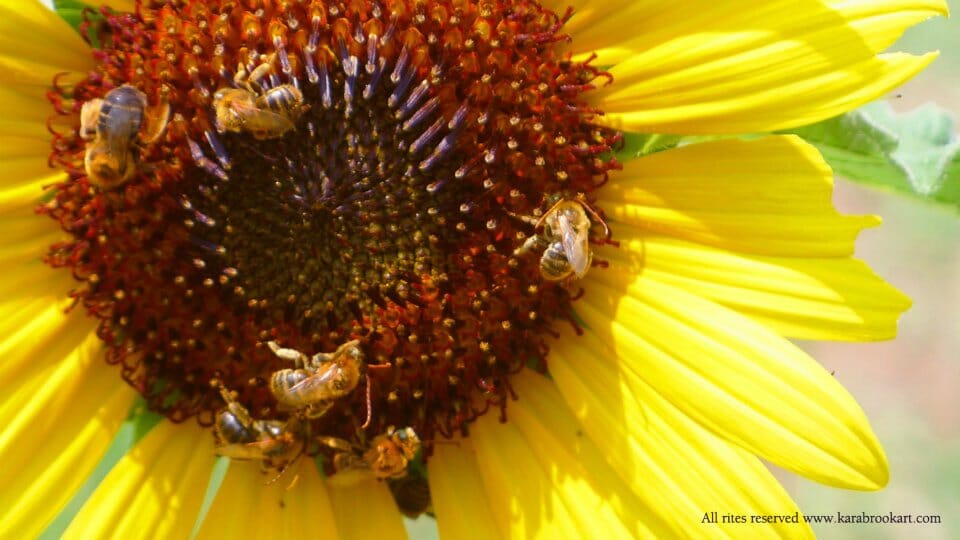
x=907, y=387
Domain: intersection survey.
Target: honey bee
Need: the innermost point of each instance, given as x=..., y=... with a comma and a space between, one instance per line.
x=238, y=436
x=111, y=127
x=317, y=381
x=387, y=456
x=564, y=239
x=264, y=114
x=412, y=495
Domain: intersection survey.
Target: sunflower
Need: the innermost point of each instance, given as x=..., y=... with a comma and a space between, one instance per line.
x=418, y=208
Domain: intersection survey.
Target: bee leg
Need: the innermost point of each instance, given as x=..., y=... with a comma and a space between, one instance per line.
x=316, y=410
x=262, y=70
x=292, y=355
x=205, y=163
x=157, y=119
x=526, y=219
x=284, y=468
x=240, y=77
x=369, y=410
x=528, y=244
x=234, y=406
x=347, y=461
x=321, y=358
x=336, y=443
x=317, y=360
x=89, y=115
x=251, y=80
x=238, y=451
x=607, y=234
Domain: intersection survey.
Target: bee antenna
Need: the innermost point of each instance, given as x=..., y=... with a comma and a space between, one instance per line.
x=224, y=393
x=293, y=482
x=284, y=469
x=369, y=409
x=277, y=477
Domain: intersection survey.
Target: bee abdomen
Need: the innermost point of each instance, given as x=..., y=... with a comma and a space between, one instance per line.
x=412, y=494
x=283, y=380
x=554, y=265
x=231, y=430
x=282, y=99
x=122, y=106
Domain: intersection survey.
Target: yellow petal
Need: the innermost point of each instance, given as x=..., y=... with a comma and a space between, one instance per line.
x=364, y=508
x=45, y=290
x=806, y=298
x=36, y=44
x=26, y=192
x=59, y=414
x=27, y=255
x=460, y=502
x=882, y=22
x=154, y=491
x=17, y=147
x=768, y=196
x=589, y=15
x=15, y=129
x=701, y=66
x=673, y=465
x=24, y=171
x=28, y=237
x=36, y=331
x=739, y=380
x=296, y=505
x=33, y=294
x=26, y=103
x=545, y=479
x=879, y=23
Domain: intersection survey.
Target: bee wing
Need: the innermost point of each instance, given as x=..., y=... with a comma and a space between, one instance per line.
x=264, y=120
x=242, y=108
x=316, y=383
x=269, y=445
x=344, y=461
x=336, y=443
x=575, y=242
x=118, y=144
x=241, y=450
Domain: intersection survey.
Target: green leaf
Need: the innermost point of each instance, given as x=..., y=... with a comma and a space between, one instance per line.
x=71, y=11
x=639, y=144
x=915, y=153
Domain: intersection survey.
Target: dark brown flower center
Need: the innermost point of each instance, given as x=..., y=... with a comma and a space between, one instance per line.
x=373, y=187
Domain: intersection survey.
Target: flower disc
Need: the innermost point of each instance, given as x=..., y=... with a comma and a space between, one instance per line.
x=372, y=179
